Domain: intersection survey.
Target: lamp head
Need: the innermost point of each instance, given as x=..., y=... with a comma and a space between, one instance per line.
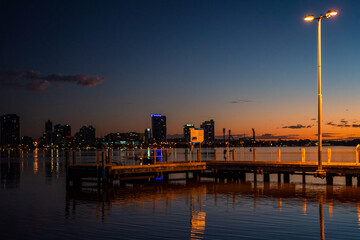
x=309, y=18
x=331, y=13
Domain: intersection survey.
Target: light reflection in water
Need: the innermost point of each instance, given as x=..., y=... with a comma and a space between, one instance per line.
x=36, y=167
x=197, y=225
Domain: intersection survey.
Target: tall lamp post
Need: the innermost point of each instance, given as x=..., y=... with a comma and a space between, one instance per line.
x=310, y=18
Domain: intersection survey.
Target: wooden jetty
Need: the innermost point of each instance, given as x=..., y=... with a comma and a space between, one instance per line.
x=106, y=172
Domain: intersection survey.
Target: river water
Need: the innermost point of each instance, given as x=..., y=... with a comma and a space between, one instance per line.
x=36, y=204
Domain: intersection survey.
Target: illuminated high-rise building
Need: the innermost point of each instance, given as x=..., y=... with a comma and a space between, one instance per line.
x=187, y=131
x=147, y=139
x=209, y=131
x=86, y=136
x=158, y=127
x=60, y=134
x=10, y=130
x=48, y=132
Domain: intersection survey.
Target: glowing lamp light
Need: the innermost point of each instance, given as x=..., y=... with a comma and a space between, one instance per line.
x=331, y=13
x=309, y=18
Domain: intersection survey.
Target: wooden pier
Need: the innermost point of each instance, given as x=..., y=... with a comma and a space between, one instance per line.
x=105, y=172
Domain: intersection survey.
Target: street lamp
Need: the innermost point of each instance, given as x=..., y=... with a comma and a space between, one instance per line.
x=310, y=18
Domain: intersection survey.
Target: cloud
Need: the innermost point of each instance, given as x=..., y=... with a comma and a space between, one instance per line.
x=33, y=81
x=298, y=126
x=343, y=123
x=241, y=101
x=267, y=136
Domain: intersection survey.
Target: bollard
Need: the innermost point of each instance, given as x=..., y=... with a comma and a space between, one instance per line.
x=186, y=155
x=303, y=155
x=254, y=155
x=329, y=155
x=278, y=155
x=198, y=155
x=233, y=154
x=215, y=154
x=74, y=157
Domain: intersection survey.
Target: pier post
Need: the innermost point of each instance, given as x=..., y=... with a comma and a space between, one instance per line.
x=254, y=155
x=303, y=177
x=255, y=177
x=279, y=177
x=329, y=179
x=186, y=155
x=357, y=155
x=154, y=155
x=303, y=155
x=266, y=177
x=348, y=180
x=198, y=155
x=109, y=156
x=329, y=155
x=74, y=157
x=233, y=154
x=215, y=154
x=67, y=158
x=242, y=176
x=286, y=177
x=167, y=155
x=358, y=181
x=142, y=156
x=97, y=158
x=133, y=156
x=278, y=155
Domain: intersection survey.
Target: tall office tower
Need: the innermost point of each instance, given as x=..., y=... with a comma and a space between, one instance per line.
x=60, y=134
x=187, y=131
x=209, y=131
x=48, y=132
x=86, y=136
x=147, y=139
x=158, y=127
x=10, y=130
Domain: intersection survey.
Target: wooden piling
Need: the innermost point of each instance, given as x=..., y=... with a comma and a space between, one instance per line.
x=286, y=177
x=215, y=154
x=255, y=177
x=348, y=179
x=186, y=155
x=266, y=177
x=254, y=155
x=303, y=177
x=329, y=179
x=357, y=155
x=358, y=181
x=233, y=154
x=329, y=155
x=109, y=156
x=198, y=155
x=279, y=177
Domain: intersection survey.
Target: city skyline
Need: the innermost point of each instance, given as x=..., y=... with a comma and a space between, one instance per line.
x=248, y=64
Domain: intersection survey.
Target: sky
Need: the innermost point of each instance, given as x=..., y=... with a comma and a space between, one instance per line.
x=244, y=64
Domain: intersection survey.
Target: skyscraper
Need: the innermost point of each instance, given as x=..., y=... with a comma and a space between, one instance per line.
x=158, y=127
x=48, y=132
x=60, y=134
x=10, y=130
x=187, y=131
x=147, y=139
x=209, y=131
x=86, y=136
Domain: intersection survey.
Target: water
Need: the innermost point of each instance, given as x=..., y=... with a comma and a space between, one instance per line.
x=35, y=204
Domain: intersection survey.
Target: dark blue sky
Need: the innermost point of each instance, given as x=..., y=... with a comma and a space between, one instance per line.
x=242, y=63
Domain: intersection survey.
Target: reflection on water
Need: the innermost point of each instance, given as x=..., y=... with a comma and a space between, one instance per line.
x=35, y=203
